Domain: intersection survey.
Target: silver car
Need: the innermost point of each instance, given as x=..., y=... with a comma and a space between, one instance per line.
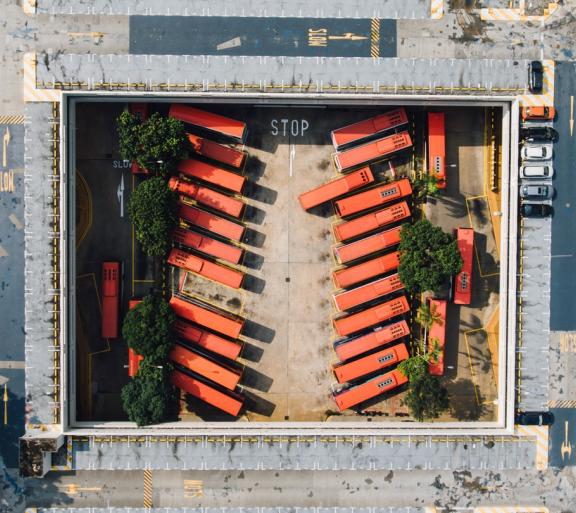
x=536, y=152
x=536, y=172
x=537, y=191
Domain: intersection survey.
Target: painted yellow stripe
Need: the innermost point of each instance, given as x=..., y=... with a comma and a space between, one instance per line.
x=31, y=93
x=375, y=37
x=147, y=488
x=11, y=120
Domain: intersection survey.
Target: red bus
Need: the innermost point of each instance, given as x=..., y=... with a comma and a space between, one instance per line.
x=216, y=344
x=212, y=247
x=374, y=150
x=437, y=334
x=358, y=132
x=210, y=173
x=353, y=395
x=110, y=299
x=437, y=147
x=212, y=150
x=349, y=276
x=369, y=292
x=140, y=110
x=207, y=316
x=350, y=371
x=228, y=402
x=206, y=367
x=209, y=121
x=352, y=347
x=373, y=197
x=208, y=197
x=370, y=222
x=367, y=246
x=345, y=326
x=336, y=188
x=463, y=285
x=206, y=269
x=211, y=222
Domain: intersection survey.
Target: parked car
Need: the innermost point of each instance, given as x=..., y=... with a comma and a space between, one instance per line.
x=538, y=133
x=535, y=210
x=536, y=152
x=535, y=418
x=540, y=112
x=535, y=76
x=536, y=172
x=537, y=191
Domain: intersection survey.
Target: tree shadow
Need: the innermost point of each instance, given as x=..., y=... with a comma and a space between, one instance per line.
x=466, y=401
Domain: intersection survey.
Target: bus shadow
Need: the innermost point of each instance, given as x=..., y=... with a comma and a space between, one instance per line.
x=254, y=168
x=251, y=352
x=325, y=210
x=260, y=193
x=254, y=238
x=253, y=260
x=255, y=379
x=254, y=215
x=258, y=332
x=257, y=404
x=253, y=284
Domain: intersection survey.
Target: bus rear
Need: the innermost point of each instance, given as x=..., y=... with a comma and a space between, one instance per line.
x=367, y=246
x=210, y=173
x=110, y=299
x=349, y=276
x=376, y=150
x=463, y=282
x=369, y=292
x=214, y=343
x=373, y=197
x=220, y=125
x=211, y=222
x=375, y=362
x=218, y=152
x=437, y=148
x=212, y=247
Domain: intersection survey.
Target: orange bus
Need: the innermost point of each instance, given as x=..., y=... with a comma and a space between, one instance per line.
x=210, y=173
x=367, y=246
x=437, y=147
x=140, y=110
x=212, y=247
x=215, y=272
x=359, y=155
x=353, y=395
x=207, y=316
x=463, y=285
x=229, y=402
x=335, y=188
x=358, y=132
x=212, y=150
x=437, y=334
x=344, y=278
x=110, y=299
x=373, y=197
x=205, y=366
x=370, y=222
x=211, y=222
x=350, y=371
x=345, y=326
x=369, y=292
x=227, y=348
x=205, y=120
x=208, y=197
x=351, y=347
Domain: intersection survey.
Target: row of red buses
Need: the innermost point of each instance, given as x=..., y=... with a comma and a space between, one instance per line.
x=369, y=292
x=228, y=402
x=213, y=174
x=345, y=326
x=208, y=197
x=373, y=197
x=437, y=334
x=351, y=396
x=344, y=278
x=356, y=369
x=437, y=147
x=205, y=120
x=367, y=246
x=212, y=247
x=211, y=222
x=352, y=347
x=207, y=316
x=140, y=110
x=110, y=299
x=463, y=285
x=336, y=188
x=230, y=349
x=212, y=150
x=205, y=366
x=215, y=272
x=361, y=130
x=370, y=222
x=359, y=155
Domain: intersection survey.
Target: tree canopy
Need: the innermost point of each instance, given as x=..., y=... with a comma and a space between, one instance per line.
x=426, y=397
x=147, y=329
x=153, y=211
x=428, y=257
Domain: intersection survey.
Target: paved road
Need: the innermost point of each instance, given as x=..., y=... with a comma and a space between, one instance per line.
x=563, y=438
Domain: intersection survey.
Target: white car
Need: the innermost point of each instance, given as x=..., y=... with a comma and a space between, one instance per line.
x=536, y=172
x=536, y=152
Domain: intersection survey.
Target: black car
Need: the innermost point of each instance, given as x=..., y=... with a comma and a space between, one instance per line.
x=535, y=418
x=535, y=210
x=535, y=76
x=538, y=133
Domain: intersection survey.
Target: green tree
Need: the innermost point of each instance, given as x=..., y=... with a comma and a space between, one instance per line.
x=415, y=367
x=427, y=315
x=128, y=133
x=428, y=257
x=149, y=398
x=426, y=398
x=147, y=329
x=427, y=185
x=152, y=208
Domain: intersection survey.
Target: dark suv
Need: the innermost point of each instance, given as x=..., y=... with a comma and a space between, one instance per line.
x=535, y=76
x=534, y=418
x=538, y=133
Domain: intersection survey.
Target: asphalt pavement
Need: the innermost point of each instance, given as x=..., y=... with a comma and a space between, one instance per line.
x=562, y=448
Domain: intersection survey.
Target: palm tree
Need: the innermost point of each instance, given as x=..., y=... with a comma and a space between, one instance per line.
x=427, y=316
